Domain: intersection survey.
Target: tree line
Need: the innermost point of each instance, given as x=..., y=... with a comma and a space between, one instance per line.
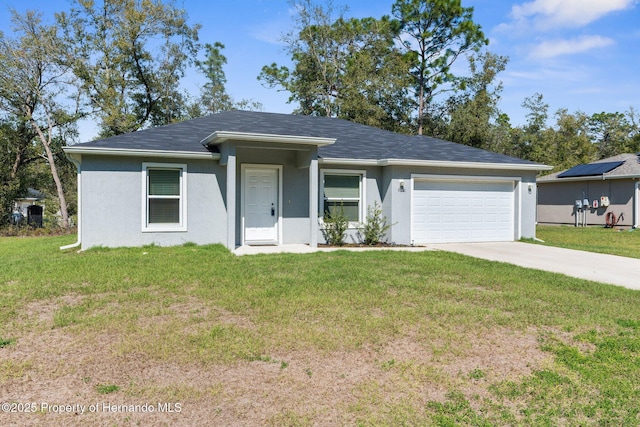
x=121, y=63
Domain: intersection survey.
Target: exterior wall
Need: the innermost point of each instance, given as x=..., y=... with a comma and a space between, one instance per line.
x=524, y=221
x=525, y=209
x=528, y=197
x=398, y=203
x=112, y=198
x=556, y=200
x=396, y=198
x=112, y=203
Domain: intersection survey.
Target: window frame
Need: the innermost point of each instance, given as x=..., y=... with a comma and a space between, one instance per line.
x=181, y=225
x=362, y=175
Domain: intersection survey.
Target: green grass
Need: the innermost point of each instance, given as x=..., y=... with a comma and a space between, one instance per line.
x=106, y=388
x=202, y=305
x=616, y=241
x=6, y=342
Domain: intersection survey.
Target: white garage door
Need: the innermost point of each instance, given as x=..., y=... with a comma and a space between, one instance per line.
x=462, y=211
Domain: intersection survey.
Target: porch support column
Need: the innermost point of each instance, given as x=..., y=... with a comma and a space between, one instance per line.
x=228, y=158
x=313, y=198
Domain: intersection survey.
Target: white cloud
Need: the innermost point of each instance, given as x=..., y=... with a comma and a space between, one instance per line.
x=545, y=74
x=550, y=49
x=567, y=13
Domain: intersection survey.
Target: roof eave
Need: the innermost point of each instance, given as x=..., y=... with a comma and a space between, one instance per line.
x=219, y=137
x=590, y=178
x=435, y=163
x=140, y=152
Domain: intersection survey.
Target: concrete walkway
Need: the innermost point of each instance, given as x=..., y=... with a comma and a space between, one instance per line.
x=611, y=269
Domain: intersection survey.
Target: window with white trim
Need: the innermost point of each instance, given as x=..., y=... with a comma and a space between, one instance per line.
x=164, y=187
x=343, y=189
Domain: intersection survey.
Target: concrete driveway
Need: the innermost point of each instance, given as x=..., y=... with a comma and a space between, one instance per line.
x=615, y=270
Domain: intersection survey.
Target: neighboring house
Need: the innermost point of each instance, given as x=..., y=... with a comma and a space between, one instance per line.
x=29, y=209
x=613, y=181
x=250, y=178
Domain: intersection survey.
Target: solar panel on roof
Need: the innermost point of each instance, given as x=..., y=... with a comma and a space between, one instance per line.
x=590, y=169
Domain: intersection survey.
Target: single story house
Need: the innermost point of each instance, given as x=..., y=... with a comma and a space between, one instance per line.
x=252, y=178
x=592, y=193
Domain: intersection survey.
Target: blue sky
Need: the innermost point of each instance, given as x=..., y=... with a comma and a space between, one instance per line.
x=580, y=54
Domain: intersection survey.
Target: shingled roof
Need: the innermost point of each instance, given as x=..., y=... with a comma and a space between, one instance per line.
x=629, y=168
x=353, y=141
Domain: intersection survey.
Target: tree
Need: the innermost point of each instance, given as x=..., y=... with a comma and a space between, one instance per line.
x=503, y=137
x=530, y=140
x=634, y=119
x=612, y=132
x=571, y=143
x=472, y=114
x=375, y=80
x=17, y=151
x=435, y=33
x=214, y=97
x=317, y=49
x=214, y=94
x=33, y=83
x=347, y=68
x=130, y=56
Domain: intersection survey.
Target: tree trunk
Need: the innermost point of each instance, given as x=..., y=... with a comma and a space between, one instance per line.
x=421, y=109
x=16, y=164
x=46, y=143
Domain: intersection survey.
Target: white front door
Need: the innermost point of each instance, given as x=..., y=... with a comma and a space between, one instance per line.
x=261, y=206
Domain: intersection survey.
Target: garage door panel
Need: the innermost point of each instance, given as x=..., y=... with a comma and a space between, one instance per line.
x=446, y=211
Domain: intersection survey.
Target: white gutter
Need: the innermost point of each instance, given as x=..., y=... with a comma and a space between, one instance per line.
x=349, y=162
x=140, y=153
x=433, y=163
x=219, y=137
x=76, y=161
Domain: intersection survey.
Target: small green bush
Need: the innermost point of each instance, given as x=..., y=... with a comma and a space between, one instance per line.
x=375, y=229
x=335, y=227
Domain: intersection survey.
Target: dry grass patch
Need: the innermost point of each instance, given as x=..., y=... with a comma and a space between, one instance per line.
x=299, y=387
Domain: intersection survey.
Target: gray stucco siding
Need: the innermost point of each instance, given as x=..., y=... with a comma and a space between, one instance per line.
x=398, y=203
x=556, y=200
x=384, y=187
x=112, y=203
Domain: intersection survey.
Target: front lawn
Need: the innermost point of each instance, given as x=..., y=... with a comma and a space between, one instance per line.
x=341, y=338
x=622, y=241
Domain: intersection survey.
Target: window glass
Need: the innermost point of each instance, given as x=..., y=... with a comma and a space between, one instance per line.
x=342, y=186
x=343, y=191
x=164, y=198
x=164, y=182
x=351, y=209
x=164, y=211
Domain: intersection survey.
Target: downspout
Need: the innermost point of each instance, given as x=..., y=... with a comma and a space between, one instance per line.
x=636, y=206
x=76, y=161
